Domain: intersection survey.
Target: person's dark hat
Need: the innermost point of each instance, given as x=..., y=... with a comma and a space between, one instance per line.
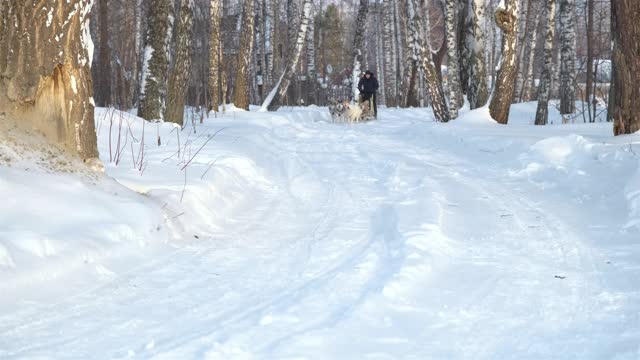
x=368, y=72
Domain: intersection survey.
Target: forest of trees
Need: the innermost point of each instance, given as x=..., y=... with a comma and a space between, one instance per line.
x=161, y=55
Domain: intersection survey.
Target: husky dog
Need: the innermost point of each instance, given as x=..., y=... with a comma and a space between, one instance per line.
x=344, y=111
x=338, y=109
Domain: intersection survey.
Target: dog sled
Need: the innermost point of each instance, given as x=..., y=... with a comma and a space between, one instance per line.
x=346, y=111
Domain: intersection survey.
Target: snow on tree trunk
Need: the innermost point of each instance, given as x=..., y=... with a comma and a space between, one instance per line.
x=625, y=107
x=156, y=64
x=181, y=72
x=390, y=56
x=241, y=88
x=274, y=102
x=453, y=58
x=567, y=57
x=45, y=65
x=432, y=75
x=507, y=20
x=358, y=46
x=544, y=88
x=478, y=90
x=215, y=54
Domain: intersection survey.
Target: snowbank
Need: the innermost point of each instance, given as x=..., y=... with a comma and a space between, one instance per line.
x=63, y=224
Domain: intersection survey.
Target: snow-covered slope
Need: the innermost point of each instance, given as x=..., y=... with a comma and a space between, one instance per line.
x=64, y=226
x=296, y=238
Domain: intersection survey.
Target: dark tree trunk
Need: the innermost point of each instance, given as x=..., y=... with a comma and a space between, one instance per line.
x=625, y=107
x=590, y=44
x=241, y=88
x=103, y=72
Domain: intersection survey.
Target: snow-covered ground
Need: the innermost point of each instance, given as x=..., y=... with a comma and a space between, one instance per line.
x=286, y=236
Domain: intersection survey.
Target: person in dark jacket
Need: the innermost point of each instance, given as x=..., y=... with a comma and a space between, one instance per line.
x=368, y=86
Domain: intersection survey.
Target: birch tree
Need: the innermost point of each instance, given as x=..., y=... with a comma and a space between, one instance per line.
x=625, y=107
x=567, y=57
x=507, y=20
x=215, y=54
x=156, y=61
x=478, y=90
x=46, y=84
x=433, y=78
x=544, y=88
x=311, y=48
x=411, y=76
x=358, y=45
x=279, y=92
x=241, y=89
x=453, y=58
x=390, y=53
x=181, y=72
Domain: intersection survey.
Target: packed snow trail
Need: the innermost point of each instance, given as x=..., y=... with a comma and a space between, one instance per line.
x=396, y=239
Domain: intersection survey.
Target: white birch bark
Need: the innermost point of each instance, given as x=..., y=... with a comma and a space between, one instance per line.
x=542, y=112
x=478, y=90
x=567, y=57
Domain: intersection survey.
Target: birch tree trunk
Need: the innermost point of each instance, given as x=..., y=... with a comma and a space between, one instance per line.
x=410, y=78
x=433, y=78
x=215, y=54
x=567, y=57
x=266, y=44
x=453, y=58
x=156, y=64
x=241, y=89
x=311, y=48
x=478, y=90
x=625, y=107
x=293, y=22
x=358, y=46
x=278, y=93
x=507, y=21
x=390, y=56
x=181, y=72
x=399, y=52
x=45, y=71
x=544, y=88
x=465, y=34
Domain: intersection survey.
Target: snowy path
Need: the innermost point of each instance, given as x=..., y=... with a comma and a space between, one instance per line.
x=376, y=241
